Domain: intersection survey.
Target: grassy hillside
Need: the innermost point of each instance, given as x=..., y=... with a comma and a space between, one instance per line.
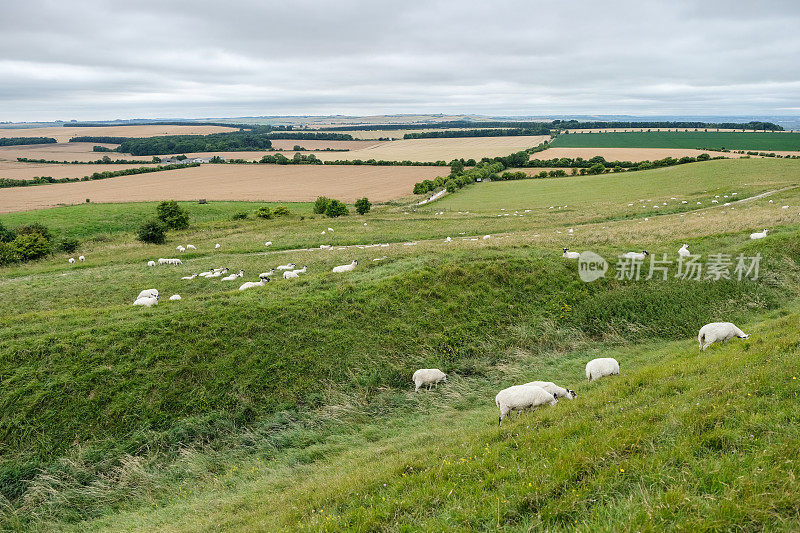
x=681, y=139
x=157, y=418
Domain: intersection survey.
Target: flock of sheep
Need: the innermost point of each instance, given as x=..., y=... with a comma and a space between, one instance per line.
x=539, y=393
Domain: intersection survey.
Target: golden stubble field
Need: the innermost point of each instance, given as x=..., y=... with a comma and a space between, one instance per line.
x=627, y=154
x=64, y=134
x=26, y=171
x=282, y=183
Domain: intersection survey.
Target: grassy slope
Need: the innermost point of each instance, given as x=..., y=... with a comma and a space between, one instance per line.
x=681, y=139
x=87, y=383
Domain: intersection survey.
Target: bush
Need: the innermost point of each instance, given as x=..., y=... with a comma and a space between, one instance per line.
x=336, y=209
x=8, y=253
x=30, y=246
x=35, y=228
x=321, y=205
x=241, y=215
x=264, y=212
x=282, y=211
x=451, y=186
x=363, y=206
x=6, y=235
x=153, y=232
x=172, y=215
x=68, y=245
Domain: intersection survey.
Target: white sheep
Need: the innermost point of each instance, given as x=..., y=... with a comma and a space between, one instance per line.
x=485, y=237
x=552, y=388
x=287, y=266
x=147, y=301
x=570, y=255
x=250, y=284
x=636, y=255
x=189, y=277
x=81, y=259
x=180, y=248
x=217, y=246
x=148, y=293
x=448, y=239
x=718, y=332
x=217, y=273
x=233, y=276
x=758, y=235
x=345, y=268
x=684, y=251
x=191, y=247
x=151, y=263
x=290, y=274
x=175, y=297
x=174, y=262
x=268, y=244
x=428, y=377
x=330, y=229
x=521, y=397
x=604, y=366
x=71, y=260
x=267, y=274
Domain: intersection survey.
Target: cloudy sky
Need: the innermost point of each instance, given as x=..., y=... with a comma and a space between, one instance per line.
x=98, y=59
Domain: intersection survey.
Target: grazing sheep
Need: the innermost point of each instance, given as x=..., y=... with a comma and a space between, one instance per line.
x=191, y=247
x=71, y=260
x=330, y=229
x=180, y=248
x=428, y=377
x=147, y=301
x=324, y=246
x=604, y=366
x=267, y=274
x=233, y=276
x=148, y=293
x=268, y=244
x=345, y=268
x=151, y=263
x=175, y=297
x=684, y=251
x=758, y=235
x=485, y=237
x=216, y=246
x=250, y=284
x=521, y=397
x=448, y=239
x=552, y=388
x=189, y=277
x=81, y=259
x=570, y=255
x=287, y=266
x=637, y=255
x=718, y=332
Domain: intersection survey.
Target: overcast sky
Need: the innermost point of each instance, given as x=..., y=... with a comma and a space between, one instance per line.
x=101, y=59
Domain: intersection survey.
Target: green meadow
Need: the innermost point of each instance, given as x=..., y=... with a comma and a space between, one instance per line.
x=711, y=140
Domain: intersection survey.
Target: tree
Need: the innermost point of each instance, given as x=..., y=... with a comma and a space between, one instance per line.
x=363, y=206
x=321, y=204
x=456, y=166
x=450, y=186
x=172, y=215
x=336, y=209
x=153, y=232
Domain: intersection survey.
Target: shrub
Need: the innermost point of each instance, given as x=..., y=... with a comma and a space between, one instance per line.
x=30, y=246
x=153, y=232
x=336, y=209
x=264, y=212
x=282, y=211
x=6, y=235
x=8, y=253
x=68, y=245
x=172, y=215
x=35, y=228
x=321, y=205
x=241, y=215
x=451, y=186
x=363, y=206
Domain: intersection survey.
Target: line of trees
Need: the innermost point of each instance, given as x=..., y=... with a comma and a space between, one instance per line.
x=511, y=132
x=105, y=160
x=6, y=183
x=16, y=141
x=560, y=125
x=176, y=144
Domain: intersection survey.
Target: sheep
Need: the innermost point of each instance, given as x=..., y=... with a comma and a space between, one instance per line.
x=266, y=274
x=521, y=397
x=324, y=246
x=570, y=255
x=330, y=229
x=71, y=260
x=174, y=262
x=151, y=263
x=345, y=268
x=486, y=237
x=552, y=388
x=604, y=366
x=758, y=235
x=147, y=293
x=684, y=251
x=174, y=297
x=250, y=284
x=428, y=377
x=718, y=332
x=637, y=255
x=191, y=247
x=189, y=277
x=268, y=244
x=233, y=276
x=448, y=239
x=287, y=266
x=217, y=273
x=81, y=259
x=180, y=248
x=217, y=246
x=147, y=301
x=290, y=274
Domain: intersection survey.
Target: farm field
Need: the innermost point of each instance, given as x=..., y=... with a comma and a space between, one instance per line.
x=288, y=144
x=64, y=134
x=63, y=152
x=289, y=406
x=626, y=154
x=16, y=170
x=279, y=183
x=691, y=140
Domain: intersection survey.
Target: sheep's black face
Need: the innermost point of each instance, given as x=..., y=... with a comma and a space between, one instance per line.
x=571, y=394
x=744, y=336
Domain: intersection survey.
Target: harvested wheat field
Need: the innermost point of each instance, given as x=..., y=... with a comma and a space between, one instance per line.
x=288, y=144
x=431, y=150
x=64, y=134
x=63, y=152
x=398, y=134
x=295, y=183
x=26, y=171
x=627, y=154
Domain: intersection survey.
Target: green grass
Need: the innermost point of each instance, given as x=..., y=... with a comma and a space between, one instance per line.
x=681, y=139
x=253, y=410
